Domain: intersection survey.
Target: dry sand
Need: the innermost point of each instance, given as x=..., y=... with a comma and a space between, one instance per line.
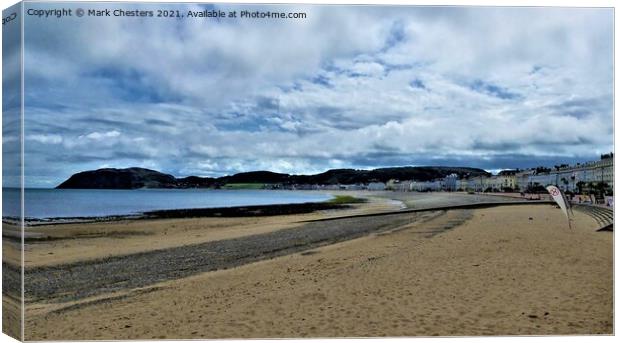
x=514, y=270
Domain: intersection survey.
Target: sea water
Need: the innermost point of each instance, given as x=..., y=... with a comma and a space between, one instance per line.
x=59, y=203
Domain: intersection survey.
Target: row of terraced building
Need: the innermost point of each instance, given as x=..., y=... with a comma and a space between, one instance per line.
x=589, y=176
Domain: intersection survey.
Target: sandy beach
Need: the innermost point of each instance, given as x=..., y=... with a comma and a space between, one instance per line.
x=509, y=270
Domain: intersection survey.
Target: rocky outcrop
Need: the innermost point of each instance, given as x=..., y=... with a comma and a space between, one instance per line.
x=112, y=178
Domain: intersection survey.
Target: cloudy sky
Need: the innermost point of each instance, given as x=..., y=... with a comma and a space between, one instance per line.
x=347, y=87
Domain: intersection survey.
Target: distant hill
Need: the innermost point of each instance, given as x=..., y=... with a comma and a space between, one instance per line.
x=132, y=178
x=111, y=178
x=257, y=177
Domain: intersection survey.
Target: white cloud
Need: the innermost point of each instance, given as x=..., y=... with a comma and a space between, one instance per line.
x=45, y=139
x=101, y=135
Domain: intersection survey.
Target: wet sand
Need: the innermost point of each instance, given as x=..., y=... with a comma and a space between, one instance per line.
x=514, y=270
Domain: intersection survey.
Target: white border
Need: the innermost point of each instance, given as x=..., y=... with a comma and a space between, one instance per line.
x=504, y=3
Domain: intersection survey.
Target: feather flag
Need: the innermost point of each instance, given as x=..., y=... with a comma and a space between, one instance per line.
x=559, y=197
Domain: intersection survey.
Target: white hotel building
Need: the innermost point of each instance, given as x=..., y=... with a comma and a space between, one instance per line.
x=567, y=178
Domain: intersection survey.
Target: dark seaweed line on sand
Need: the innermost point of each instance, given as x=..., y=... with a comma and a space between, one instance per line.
x=233, y=211
x=83, y=279
x=245, y=211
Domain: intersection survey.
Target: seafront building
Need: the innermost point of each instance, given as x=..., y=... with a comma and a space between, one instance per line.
x=376, y=186
x=397, y=185
x=450, y=182
x=577, y=178
x=595, y=177
x=571, y=178
x=427, y=186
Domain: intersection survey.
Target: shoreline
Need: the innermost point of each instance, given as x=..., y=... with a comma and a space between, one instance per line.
x=213, y=212
x=61, y=243
x=206, y=212
x=202, y=211
x=396, y=198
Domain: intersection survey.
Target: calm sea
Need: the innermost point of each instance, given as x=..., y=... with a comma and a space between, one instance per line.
x=55, y=203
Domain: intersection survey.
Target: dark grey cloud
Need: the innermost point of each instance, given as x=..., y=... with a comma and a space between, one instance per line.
x=417, y=83
x=583, y=107
x=158, y=122
x=493, y=90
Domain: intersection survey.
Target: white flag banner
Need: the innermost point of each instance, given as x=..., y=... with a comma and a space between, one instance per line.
x=560, y=199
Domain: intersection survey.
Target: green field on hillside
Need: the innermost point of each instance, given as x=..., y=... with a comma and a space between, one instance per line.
x=244, y=186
